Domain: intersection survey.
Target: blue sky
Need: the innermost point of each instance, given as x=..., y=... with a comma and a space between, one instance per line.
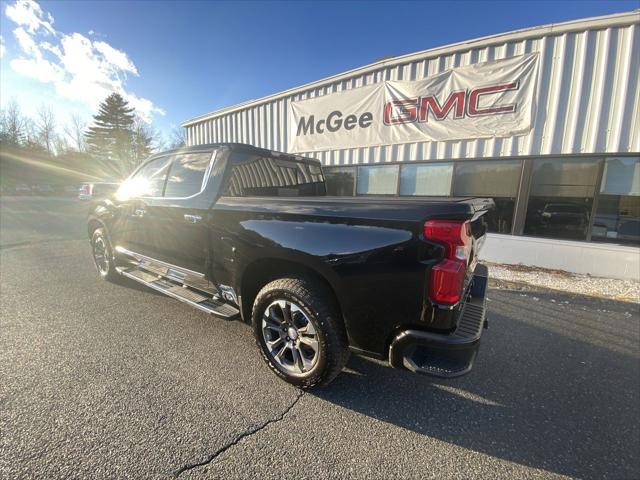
x=175, y=60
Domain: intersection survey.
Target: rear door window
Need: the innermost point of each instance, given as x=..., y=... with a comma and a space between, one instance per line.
x=275, y=177
x=187, y=174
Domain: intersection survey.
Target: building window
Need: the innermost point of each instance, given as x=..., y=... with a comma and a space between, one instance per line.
x=498, y=180
x=187, y=174
x=617, y=217
x=426, y=179
x=378, y=180
x=560, y=198
x=340, y=181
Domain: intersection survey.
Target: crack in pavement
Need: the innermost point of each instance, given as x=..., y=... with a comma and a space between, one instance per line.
x=238, y=438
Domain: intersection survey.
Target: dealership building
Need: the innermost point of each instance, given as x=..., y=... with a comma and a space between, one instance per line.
x=545, y=120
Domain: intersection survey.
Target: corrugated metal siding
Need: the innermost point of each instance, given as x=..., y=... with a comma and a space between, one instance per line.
x=588, y=101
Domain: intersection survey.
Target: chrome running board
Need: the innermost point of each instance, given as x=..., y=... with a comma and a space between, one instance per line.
x=178, y=274
x=185, y=293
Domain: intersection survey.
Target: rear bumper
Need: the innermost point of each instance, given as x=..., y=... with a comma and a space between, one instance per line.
x=441, y=355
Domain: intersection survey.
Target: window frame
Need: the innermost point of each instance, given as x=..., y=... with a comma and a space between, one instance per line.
x=205, y=179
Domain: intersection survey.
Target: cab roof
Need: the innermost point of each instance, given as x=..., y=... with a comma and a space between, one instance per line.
x=237, y=147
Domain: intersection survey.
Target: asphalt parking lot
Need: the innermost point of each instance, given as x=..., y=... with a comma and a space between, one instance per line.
x=114, y=381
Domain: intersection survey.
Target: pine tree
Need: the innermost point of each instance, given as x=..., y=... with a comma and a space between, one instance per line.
x=110, y=138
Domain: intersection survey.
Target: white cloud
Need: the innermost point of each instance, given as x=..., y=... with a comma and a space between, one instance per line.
x=33, y=64
x=80, y=69
x=38, y=68
x=142, y=104
x=116, y=57
x=2, y=47
x=28, y=13
x=26, y=43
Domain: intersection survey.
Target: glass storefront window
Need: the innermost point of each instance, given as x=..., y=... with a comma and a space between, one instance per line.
x=426, y=179
x=378, y=180
x=495, y=179
x=340, y=181
x=487, y=178
x=621, y=176
x=617, y=217
x=560, y=198
x=561, y=194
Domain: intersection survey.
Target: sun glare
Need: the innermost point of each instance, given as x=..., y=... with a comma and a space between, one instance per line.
x=134, y=187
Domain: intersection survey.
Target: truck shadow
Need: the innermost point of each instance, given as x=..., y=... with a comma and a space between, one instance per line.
x=555, y=387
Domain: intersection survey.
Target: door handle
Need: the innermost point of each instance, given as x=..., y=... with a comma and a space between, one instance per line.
x=192, y=218
x=139, y=212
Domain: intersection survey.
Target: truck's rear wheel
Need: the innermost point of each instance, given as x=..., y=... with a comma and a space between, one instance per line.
x=103, y=255
x=299, y=332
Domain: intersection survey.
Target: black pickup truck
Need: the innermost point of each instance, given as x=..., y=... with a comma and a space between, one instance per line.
x=242, y=232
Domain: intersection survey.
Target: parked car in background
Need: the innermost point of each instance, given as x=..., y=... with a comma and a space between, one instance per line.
x=97, y=190
x=567, y=216
x=244, y=232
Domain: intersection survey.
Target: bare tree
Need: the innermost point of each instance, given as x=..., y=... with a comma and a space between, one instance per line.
x=46, y=129
x=30, y=132
x=158, y=140
x=61, y=144
x=12, y=125
x=142, y=141
x=155, y=141
x=178, y=138
x=75, y=131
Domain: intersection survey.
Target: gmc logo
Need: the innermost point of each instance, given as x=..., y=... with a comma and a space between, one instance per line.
x=462, y=104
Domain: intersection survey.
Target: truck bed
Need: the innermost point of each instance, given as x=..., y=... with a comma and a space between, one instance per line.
x=369, y=208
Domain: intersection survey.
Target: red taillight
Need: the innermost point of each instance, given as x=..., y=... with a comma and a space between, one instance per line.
x=447, y=277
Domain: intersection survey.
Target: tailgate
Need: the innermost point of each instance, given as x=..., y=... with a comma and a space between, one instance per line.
x=478, y=231
x=481, y=206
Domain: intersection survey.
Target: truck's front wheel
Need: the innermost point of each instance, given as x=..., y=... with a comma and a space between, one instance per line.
x=299, y=332
x=103, y=256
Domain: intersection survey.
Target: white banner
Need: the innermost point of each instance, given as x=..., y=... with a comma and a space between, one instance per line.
x=492, y=99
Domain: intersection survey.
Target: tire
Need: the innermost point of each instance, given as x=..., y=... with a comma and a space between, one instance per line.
x=290, y=352
x=103, y=256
